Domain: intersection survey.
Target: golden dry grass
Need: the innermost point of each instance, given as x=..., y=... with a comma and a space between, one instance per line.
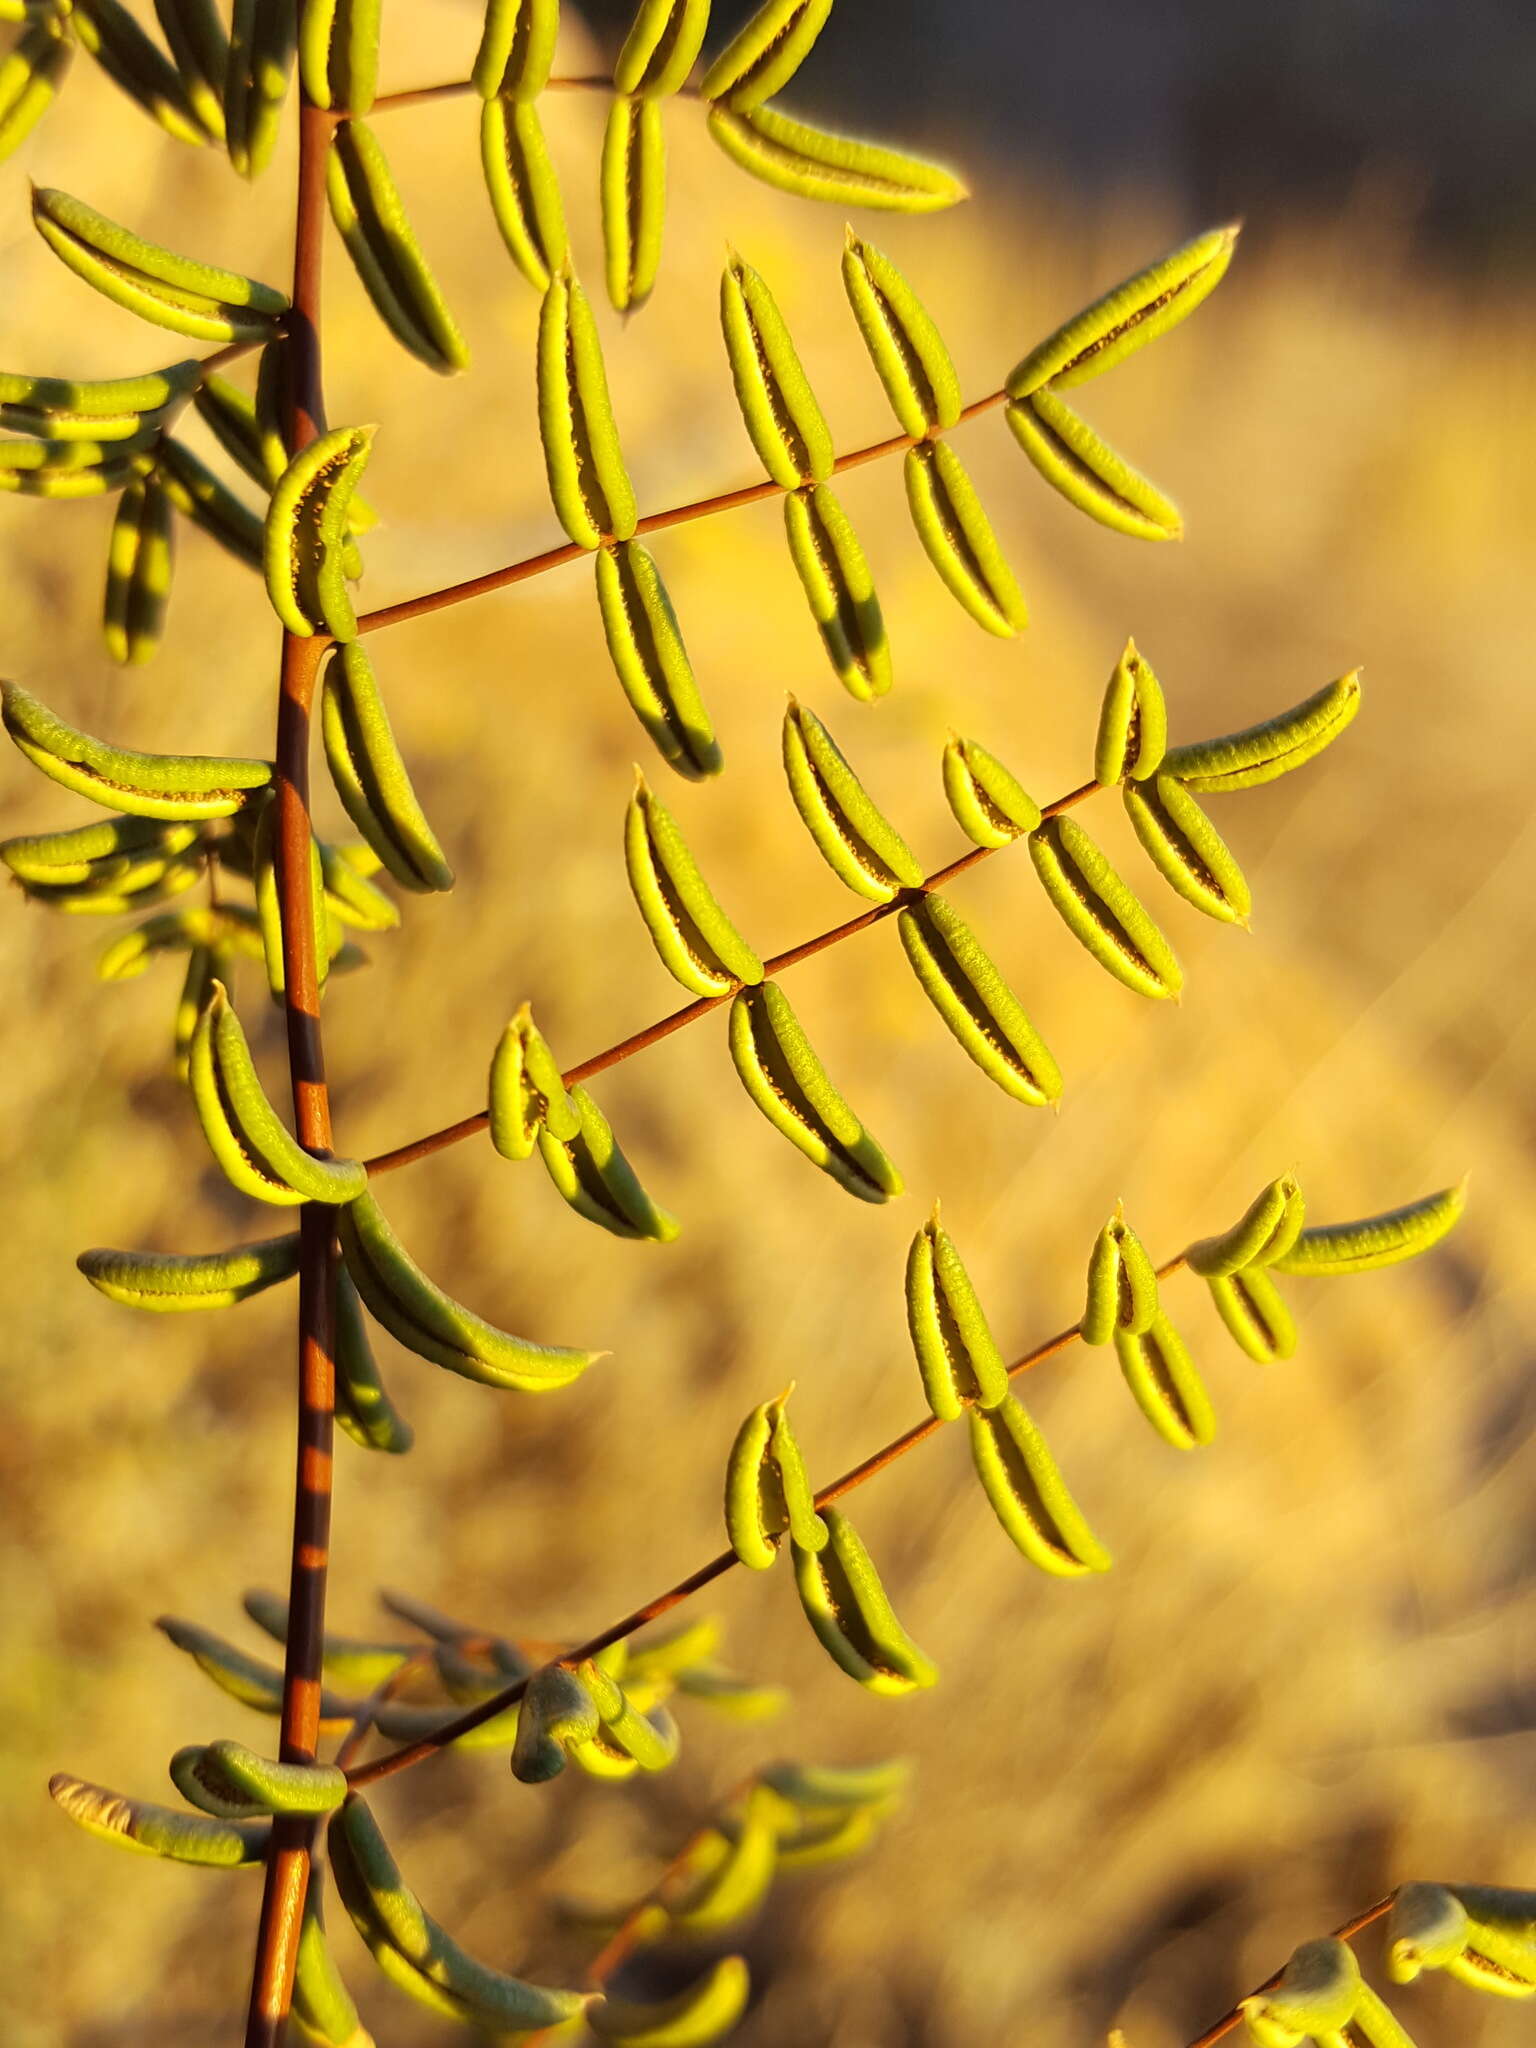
x=1308, y=1676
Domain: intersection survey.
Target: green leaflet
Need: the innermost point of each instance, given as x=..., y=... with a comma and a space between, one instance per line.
x=321, y=2001
x=733, y=1871
x=171, y=1283
x=139, y=561
x=798, y=158
x=350, y=897
x=1374, y=2024
x=906, y=348
x=1128, y=317
x=1260, y=753
x=261, y=50
x=839, y=1785
x=1187, y=850
x=557, y=1713
x=170, y=290
x=740, y=1699
x=524, y=190
x=698, y=944
x=118, y=885
x=692, y=2018
x=199, y=45
x=1029, y=1495
x=364, y=1410
x=835, y=576
x=1088, y=472
x=957, y=1354
x=762, y=57
x=958, y=539
x=209, y=503
x=767, y=1491
x=829, y=1838
x=661, y=47
x=158, y=1830
x=627, y=1739
x=634, y=200
x=592, y=1174
x=339, y=52
x=31, y=73
x=143, y=785
x=851, y=1613
x=112, y=850
x=1376, y=1240
x=244, y=1131
x=391, y=1919
x=856, y=840
x=1100, y=911
x=230, y=929
x=976, y=1003
x=1167, y=1389
x=371, y=777
x=269, y=906
x=517, y=48
x=1265, y=1232
x=371, y=219
x=780, y=1071
x=361, y=1664
x=787, y=427
x=94, y=409
x=1318, y=1991
x=419, y=1315
x=646, y=647
x=990, y=806
x=1256, y=1317
x=588, y=483
x=1133, y=723
x=676, y=1651
x=527, y=1093
x=304, y=542
x=74, y=469
x=246, y=1679
x=1482, y=1935
x=235, y=1783
x=1122, y=1284
x=136, y=66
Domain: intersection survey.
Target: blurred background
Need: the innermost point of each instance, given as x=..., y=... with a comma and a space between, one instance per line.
x=1309, y=1675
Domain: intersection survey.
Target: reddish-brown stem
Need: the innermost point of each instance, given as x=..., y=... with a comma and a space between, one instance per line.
x=1230, y=2022
x=289, y=1855
x=717, y=1567
x=460, y=88
x=653, y=522
x=641, y=1041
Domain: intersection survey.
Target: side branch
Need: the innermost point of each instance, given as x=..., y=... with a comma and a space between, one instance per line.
x=1231, y=2021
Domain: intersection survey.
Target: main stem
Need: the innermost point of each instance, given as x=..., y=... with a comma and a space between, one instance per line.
x=289, y=1854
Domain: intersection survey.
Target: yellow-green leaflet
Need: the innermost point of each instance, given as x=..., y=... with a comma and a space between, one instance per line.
x=30, y=75
x=199, y=45
x=304, y=541
x=739, y=1699
x=172, y=1283
x=1128, y=317
x=780, y=1071
x=634, y=197
x=524, y=190
x=370, y=774
x=364, y=1410
x=364, y=1664
x=261, y=49
x=1376, y=1240
x=692, y=2018
x=110, y=850
x=979, y=1007
x=957, y=1354
x=1122, y=1284
x=990, y=806
x=557, y=1712
x=629, y=1739
x=1187, y=850
x=234, y=1783
x=118, y=885
x=676, y=1651
x=143, y=785
x=856, y=840
x=788, y=428
x=170, y=290
x=425, y=1320
x=231, y=928
x=517, y=48
x=1482, y=1935
x=851, y=1613
x=527, y=1093
x=321, y=2002
x=99, y=409
x=839, y=1785
x=737, y=1870
x=764, y=56
x=339, y=52
x=139, y=560
x=389, y=1916
x=1258, y=1320
x=1029, y=1495
x=256, y=1685
x=1168, y=1390
x=698, y=944
x=350, y=897
x=592, y=1174
x=1088, y=472
x=66, y=469
x=1100, y=911
x=136, y=65
x=208, y=502
x=244, y=1131
x=834, y=573
x=906, y=348
x=371, y=219
x=1318, y=1991
x=645, y=644
x=661, y=47
x=958, y=539
x=158, y=1830
x=798, y=158
x=829, y=1838
x=1133, y=723
x=767, y=1491
x=1260, y=753
x=588, y=483
x=1265, y=1232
